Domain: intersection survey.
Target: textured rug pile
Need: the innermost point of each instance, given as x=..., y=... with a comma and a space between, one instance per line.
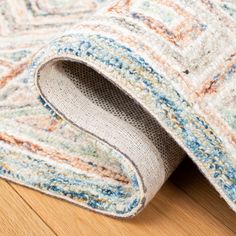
x=101, y=100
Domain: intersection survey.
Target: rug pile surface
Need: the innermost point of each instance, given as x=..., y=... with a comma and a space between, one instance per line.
x=101, y=100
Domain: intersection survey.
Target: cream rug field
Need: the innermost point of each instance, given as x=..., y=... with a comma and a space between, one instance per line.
x=101, y=100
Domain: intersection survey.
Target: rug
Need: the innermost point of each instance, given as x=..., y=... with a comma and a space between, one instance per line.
x=101, y=100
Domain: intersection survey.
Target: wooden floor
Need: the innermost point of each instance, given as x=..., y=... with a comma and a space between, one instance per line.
x=186, y=205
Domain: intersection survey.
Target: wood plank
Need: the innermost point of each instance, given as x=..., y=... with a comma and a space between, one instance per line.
x=189, y=179
x=16, y=217
x=171, y=212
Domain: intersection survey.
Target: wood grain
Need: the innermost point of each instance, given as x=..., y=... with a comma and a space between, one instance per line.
x=16, y=217
x=186, y=205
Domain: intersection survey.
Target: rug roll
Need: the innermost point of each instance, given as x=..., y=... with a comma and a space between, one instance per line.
x=79, y=136
x=140, y=155
x=129, y=88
